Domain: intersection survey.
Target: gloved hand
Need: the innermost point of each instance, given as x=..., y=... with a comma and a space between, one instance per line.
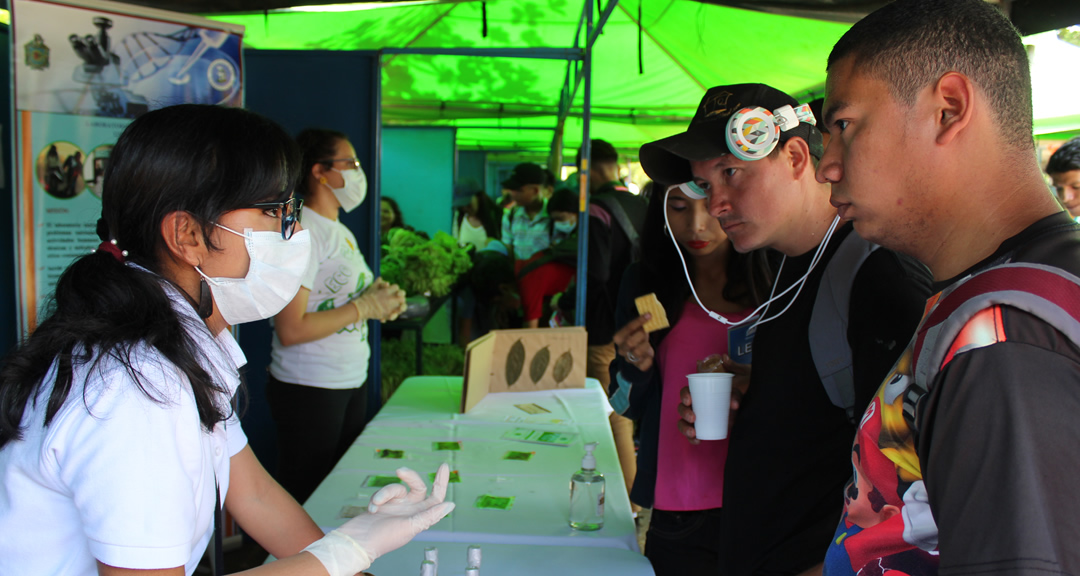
x=395, y=515
x=381, y=301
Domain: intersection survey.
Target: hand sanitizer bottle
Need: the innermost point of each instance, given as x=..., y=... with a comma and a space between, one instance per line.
x=587, y=494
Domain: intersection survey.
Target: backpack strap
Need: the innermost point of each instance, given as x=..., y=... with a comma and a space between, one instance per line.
x=829, y=345
x=618, y=212
x=1048, y=293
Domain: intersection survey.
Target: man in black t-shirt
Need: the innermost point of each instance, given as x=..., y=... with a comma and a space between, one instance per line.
x=966, y=457
x=789, y=454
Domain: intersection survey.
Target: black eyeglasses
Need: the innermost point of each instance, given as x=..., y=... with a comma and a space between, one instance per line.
x=288, y=211
x=354, y=161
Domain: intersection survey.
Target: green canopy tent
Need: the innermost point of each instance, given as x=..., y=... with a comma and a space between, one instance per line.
x=496, y=70
x=513, y=103
x=1055, y=59
x=506, y=73
x=650, y=64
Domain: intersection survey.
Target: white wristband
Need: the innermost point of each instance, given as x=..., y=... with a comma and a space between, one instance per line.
x=340, y=554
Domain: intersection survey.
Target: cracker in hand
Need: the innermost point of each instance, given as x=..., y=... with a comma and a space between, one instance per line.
x=648, y=304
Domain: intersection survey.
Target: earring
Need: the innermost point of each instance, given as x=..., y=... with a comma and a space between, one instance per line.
x=322, y=179
x=206, y=301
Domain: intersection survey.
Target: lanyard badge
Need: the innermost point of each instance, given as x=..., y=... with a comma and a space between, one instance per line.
x=741, y=339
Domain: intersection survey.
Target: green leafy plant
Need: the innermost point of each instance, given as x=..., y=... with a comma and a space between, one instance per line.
x=422, y=266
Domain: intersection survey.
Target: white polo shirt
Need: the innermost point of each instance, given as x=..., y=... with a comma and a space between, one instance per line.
x=116, y=476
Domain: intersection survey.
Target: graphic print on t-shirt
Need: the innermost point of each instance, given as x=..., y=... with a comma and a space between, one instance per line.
x=887, y=527
x=877, y=533
x=338, y=281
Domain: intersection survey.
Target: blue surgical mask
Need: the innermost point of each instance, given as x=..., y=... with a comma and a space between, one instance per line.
x=565, y=226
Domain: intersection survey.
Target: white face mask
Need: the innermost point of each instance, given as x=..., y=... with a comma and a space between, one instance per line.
x=272, y=280
x=354, y=191
x=565, y=227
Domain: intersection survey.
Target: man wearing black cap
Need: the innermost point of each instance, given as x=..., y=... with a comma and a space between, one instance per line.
x=526, y=228
x=820, y=349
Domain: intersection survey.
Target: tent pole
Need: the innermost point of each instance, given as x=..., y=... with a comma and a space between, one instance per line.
x=612, y=4
x=583, y=172
x=555, y=155
x=540, y=53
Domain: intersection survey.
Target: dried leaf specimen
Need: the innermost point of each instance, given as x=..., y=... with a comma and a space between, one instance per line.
x=563, y=366
x=539, y=364
x=515, y=362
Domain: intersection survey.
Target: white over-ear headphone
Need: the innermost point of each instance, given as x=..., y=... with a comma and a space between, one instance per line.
x=753, y=132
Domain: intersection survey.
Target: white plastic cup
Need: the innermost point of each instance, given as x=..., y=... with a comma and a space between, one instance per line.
x=711, y=393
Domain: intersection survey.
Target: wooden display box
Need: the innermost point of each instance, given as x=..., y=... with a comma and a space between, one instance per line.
x=524, y=361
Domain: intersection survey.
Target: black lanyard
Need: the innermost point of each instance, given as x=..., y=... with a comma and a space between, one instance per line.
x=217, y=544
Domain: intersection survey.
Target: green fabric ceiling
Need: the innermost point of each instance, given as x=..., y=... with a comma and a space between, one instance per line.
x=505, y=103
x=512, y=103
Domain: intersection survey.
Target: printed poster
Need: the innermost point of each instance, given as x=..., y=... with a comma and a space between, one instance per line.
x=81, y=74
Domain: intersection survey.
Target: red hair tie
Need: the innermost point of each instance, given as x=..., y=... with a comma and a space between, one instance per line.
x=111, y=248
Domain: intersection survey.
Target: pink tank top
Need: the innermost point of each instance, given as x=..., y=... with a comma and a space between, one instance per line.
x=688, y=477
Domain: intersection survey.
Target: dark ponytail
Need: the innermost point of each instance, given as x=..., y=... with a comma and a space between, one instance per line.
x=204, y=160
x=318, y=146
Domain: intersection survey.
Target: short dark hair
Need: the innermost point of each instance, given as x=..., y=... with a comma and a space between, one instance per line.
x=1066, y=158
x=910, y=44
x=563, y=200
x=601, y=151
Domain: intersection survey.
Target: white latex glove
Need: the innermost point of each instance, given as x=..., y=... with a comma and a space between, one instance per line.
x=395, y=515
x=381, y=301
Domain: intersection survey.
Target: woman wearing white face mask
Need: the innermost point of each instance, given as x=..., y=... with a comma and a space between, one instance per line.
x=119, y=444
x=320, y=354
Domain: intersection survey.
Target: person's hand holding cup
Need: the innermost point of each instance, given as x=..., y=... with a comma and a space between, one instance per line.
x=706, y=407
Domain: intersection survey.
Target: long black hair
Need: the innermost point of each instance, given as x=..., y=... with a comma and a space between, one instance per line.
x=489, y=214
x=749, y=276
x=202, y=160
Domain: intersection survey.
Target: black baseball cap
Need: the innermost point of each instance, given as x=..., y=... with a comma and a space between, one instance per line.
x=524, y=174
x=668, y=160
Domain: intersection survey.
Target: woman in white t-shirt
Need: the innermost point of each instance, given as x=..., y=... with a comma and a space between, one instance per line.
x=118, y=438
x=476, y=217
x=319, y=359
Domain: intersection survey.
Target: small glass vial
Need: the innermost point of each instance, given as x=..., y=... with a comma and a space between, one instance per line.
x=587, y=494
x=428, y=568
x=473, y=557
x=472, y=571
x=431, y=554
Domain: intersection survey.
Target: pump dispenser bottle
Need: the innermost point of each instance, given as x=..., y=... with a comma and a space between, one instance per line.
x=587, y=494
